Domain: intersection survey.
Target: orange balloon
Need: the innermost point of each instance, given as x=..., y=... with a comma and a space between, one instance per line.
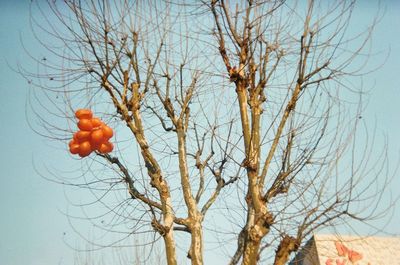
x=85, y=125
x=73, y=141
x=74, y=137
x=85, y=149
x=84, y=114
x=73, y=147
x=107, y=132
x=82, y=136
x=96, y=136
x=96, y=122
x=106, y=147
x=93, y=135
x=95, y=146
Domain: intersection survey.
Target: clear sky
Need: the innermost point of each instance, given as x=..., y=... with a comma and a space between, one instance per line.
x=32, y=223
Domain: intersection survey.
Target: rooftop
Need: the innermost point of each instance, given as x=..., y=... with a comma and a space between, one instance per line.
x=348, y=250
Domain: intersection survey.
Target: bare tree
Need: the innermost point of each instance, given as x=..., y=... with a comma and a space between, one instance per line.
x=244, y=111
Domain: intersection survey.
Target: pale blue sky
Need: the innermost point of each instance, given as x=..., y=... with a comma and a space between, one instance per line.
x=31, y=219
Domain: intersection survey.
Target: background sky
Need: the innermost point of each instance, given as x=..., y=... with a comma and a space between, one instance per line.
x=33, y=226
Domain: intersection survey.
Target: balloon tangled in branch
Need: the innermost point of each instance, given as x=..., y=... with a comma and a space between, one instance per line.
x=94, y=135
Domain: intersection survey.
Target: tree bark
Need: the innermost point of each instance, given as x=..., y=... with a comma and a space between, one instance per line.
x=169, y=243
x=258, y=225
x=250, y=255
x=196, y=246
x=287, y=245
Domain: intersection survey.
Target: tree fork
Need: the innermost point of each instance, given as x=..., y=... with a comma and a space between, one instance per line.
x=287, y=245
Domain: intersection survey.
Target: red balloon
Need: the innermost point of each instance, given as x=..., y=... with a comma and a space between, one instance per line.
x=106, y=147
x=84, y=114
x=85, y=125
x=107, y=132
x=85, y=149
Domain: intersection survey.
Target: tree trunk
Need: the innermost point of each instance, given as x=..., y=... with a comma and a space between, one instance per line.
x=250, y=255
x=259, y=227
x=196, y=247
x=170, y=248
x=287, y=245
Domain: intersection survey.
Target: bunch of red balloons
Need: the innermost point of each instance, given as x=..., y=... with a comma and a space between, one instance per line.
x=94, y=135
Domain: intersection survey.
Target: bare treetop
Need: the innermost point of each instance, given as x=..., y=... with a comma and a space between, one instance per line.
x=243, y=110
